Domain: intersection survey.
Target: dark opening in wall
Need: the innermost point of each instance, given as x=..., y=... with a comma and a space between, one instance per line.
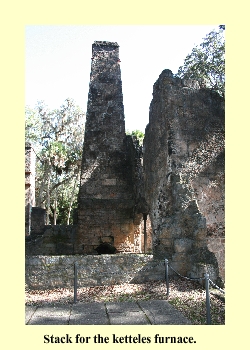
x=106, y=248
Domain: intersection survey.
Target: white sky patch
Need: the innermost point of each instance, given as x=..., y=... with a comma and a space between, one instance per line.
x=58, y=62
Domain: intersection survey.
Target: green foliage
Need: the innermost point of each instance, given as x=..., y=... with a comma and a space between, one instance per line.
x=138, y=134
x=63, y=201
x=32, y=125
x=206, y=62
x=57, y=138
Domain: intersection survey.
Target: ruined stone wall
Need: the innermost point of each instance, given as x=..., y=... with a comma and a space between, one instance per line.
x=106, y=201
x=184, y=173
x=52, y=240
x=38, y=221
x=142, y=224
x=45, y=272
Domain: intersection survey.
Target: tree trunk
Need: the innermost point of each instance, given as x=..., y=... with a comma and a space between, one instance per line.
x=48, y=199
x=73, y=195
x=55, y=205
x=55, y=208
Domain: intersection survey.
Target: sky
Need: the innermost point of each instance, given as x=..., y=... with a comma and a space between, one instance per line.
x=58, y=62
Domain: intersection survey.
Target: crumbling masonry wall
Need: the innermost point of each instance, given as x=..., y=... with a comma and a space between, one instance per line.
x=52, y=240
x=184, y=174
x=45, y=272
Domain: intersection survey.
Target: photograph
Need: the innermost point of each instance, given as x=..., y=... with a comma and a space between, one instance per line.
x=124, y=145
x=125, y=175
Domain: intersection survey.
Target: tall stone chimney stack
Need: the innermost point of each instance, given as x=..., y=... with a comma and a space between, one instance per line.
x=105, y=112
x=106, y=197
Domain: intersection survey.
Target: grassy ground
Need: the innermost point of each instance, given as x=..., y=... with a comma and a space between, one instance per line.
x=186, y=296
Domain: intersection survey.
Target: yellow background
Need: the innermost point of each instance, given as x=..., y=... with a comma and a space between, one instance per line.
x=14, y=16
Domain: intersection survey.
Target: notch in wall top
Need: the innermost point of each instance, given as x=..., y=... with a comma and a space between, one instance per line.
x=106, y=43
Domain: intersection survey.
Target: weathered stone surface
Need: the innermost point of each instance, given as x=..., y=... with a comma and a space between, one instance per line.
x=109, y=191
x=184, y=172
x=53, y=240
x=38, y=220
x=183, y=245
x=43, y=272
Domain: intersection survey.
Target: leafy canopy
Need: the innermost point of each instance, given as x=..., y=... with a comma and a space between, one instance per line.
x=206, y=62
x=57, y=138
x=138, y=134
